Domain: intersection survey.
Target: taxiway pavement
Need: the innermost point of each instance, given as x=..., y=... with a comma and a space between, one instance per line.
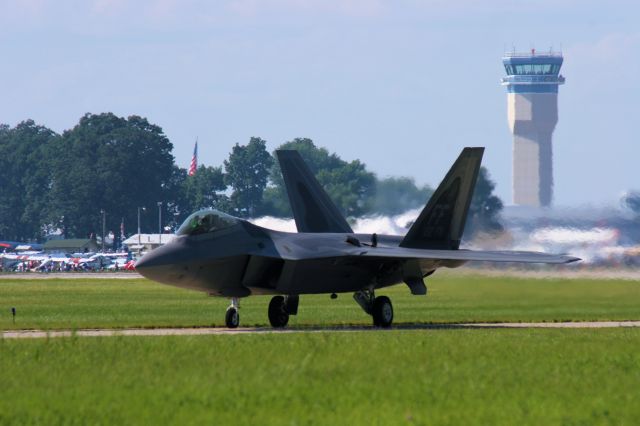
x=42, y=334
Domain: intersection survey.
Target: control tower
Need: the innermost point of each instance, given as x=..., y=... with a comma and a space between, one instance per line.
x=532, y=103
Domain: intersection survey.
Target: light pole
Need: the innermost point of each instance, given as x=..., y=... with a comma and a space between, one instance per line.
x=104, y=226
x=145, y=209
x=160, y=221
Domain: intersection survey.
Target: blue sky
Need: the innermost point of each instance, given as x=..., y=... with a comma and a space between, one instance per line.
x=401, y=85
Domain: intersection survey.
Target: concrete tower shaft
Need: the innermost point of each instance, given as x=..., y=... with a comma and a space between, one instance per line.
x=532, y=119
x=532, y=109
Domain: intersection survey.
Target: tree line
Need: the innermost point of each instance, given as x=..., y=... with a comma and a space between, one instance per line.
x=117, y=165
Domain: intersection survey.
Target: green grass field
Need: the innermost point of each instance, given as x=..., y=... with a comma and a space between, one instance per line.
x=86, y=303
x=419, y=376
x=441, y=376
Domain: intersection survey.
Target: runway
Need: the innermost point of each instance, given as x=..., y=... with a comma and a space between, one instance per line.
x=43, y=334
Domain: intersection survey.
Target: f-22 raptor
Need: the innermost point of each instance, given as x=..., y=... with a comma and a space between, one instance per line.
x=230, y=257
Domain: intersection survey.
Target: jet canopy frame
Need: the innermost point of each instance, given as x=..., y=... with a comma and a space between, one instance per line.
x=206, y=221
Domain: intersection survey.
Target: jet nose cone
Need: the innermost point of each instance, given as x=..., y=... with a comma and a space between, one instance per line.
x=146, y=261
x=160, y=263
x=137, y=265
x=145, y=265
x=143, y=262
x=151, y=263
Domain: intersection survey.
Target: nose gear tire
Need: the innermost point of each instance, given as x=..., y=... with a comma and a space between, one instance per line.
x=232, y=318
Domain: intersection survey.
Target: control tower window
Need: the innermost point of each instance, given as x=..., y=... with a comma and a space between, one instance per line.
x=533, y=69
x=205, y=221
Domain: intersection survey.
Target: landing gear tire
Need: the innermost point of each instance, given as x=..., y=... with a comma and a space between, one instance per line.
x=278, y=315
x=382, y=312
x=232, y=318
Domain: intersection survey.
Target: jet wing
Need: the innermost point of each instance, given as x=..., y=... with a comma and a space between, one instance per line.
x=428, y=254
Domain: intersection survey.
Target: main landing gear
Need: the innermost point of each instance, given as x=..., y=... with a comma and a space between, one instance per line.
x=280, y=308
x=278, y=315
x=380, y=308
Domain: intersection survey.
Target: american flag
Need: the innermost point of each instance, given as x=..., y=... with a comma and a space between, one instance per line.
x=194, y=161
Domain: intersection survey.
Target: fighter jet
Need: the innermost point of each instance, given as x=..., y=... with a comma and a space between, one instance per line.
x=230, y=257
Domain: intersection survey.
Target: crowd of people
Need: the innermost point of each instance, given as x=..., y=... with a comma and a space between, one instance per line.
x=44, y=262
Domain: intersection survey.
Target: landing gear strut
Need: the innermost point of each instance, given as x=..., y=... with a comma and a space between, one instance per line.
x=232, y=317
x=380, y=308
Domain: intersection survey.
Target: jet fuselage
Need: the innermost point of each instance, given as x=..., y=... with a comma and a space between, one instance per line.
x=246, y=259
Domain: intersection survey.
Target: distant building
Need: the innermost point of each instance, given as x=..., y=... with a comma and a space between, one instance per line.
x=8, y=246
x=147, y=242
x=532, y=97
x=78, y=245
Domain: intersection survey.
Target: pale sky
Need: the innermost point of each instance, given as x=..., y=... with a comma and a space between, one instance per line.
x=401, y=85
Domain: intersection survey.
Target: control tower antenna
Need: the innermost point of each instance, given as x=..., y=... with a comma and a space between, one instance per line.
x=532, y=108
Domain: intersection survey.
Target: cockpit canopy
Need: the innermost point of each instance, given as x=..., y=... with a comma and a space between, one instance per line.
x=204, y=221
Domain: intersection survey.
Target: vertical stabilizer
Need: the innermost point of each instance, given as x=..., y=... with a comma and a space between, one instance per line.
x=441, y=222
x=312, y=208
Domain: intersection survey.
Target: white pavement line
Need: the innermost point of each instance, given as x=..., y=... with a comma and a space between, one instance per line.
x=36, y=334
x=41, y=334
x=586, y=324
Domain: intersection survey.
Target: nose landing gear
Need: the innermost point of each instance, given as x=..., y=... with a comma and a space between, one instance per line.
x=232, y=317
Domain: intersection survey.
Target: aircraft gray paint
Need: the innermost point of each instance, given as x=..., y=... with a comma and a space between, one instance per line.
x=229, y=257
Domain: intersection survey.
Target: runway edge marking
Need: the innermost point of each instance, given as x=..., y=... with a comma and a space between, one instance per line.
x=43, y=334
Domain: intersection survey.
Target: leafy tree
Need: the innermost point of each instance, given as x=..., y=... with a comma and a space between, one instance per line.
x=247, y=172
x=348, y=184
x=6, y=186
x=395, y=195
x=186, y=194
x=485, y=207
x=177, y=206
x=203, y=190
x=25, y=177
x=119, y=164
x=111, y=163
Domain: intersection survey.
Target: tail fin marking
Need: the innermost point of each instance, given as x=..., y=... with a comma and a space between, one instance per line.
x=441, y=222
